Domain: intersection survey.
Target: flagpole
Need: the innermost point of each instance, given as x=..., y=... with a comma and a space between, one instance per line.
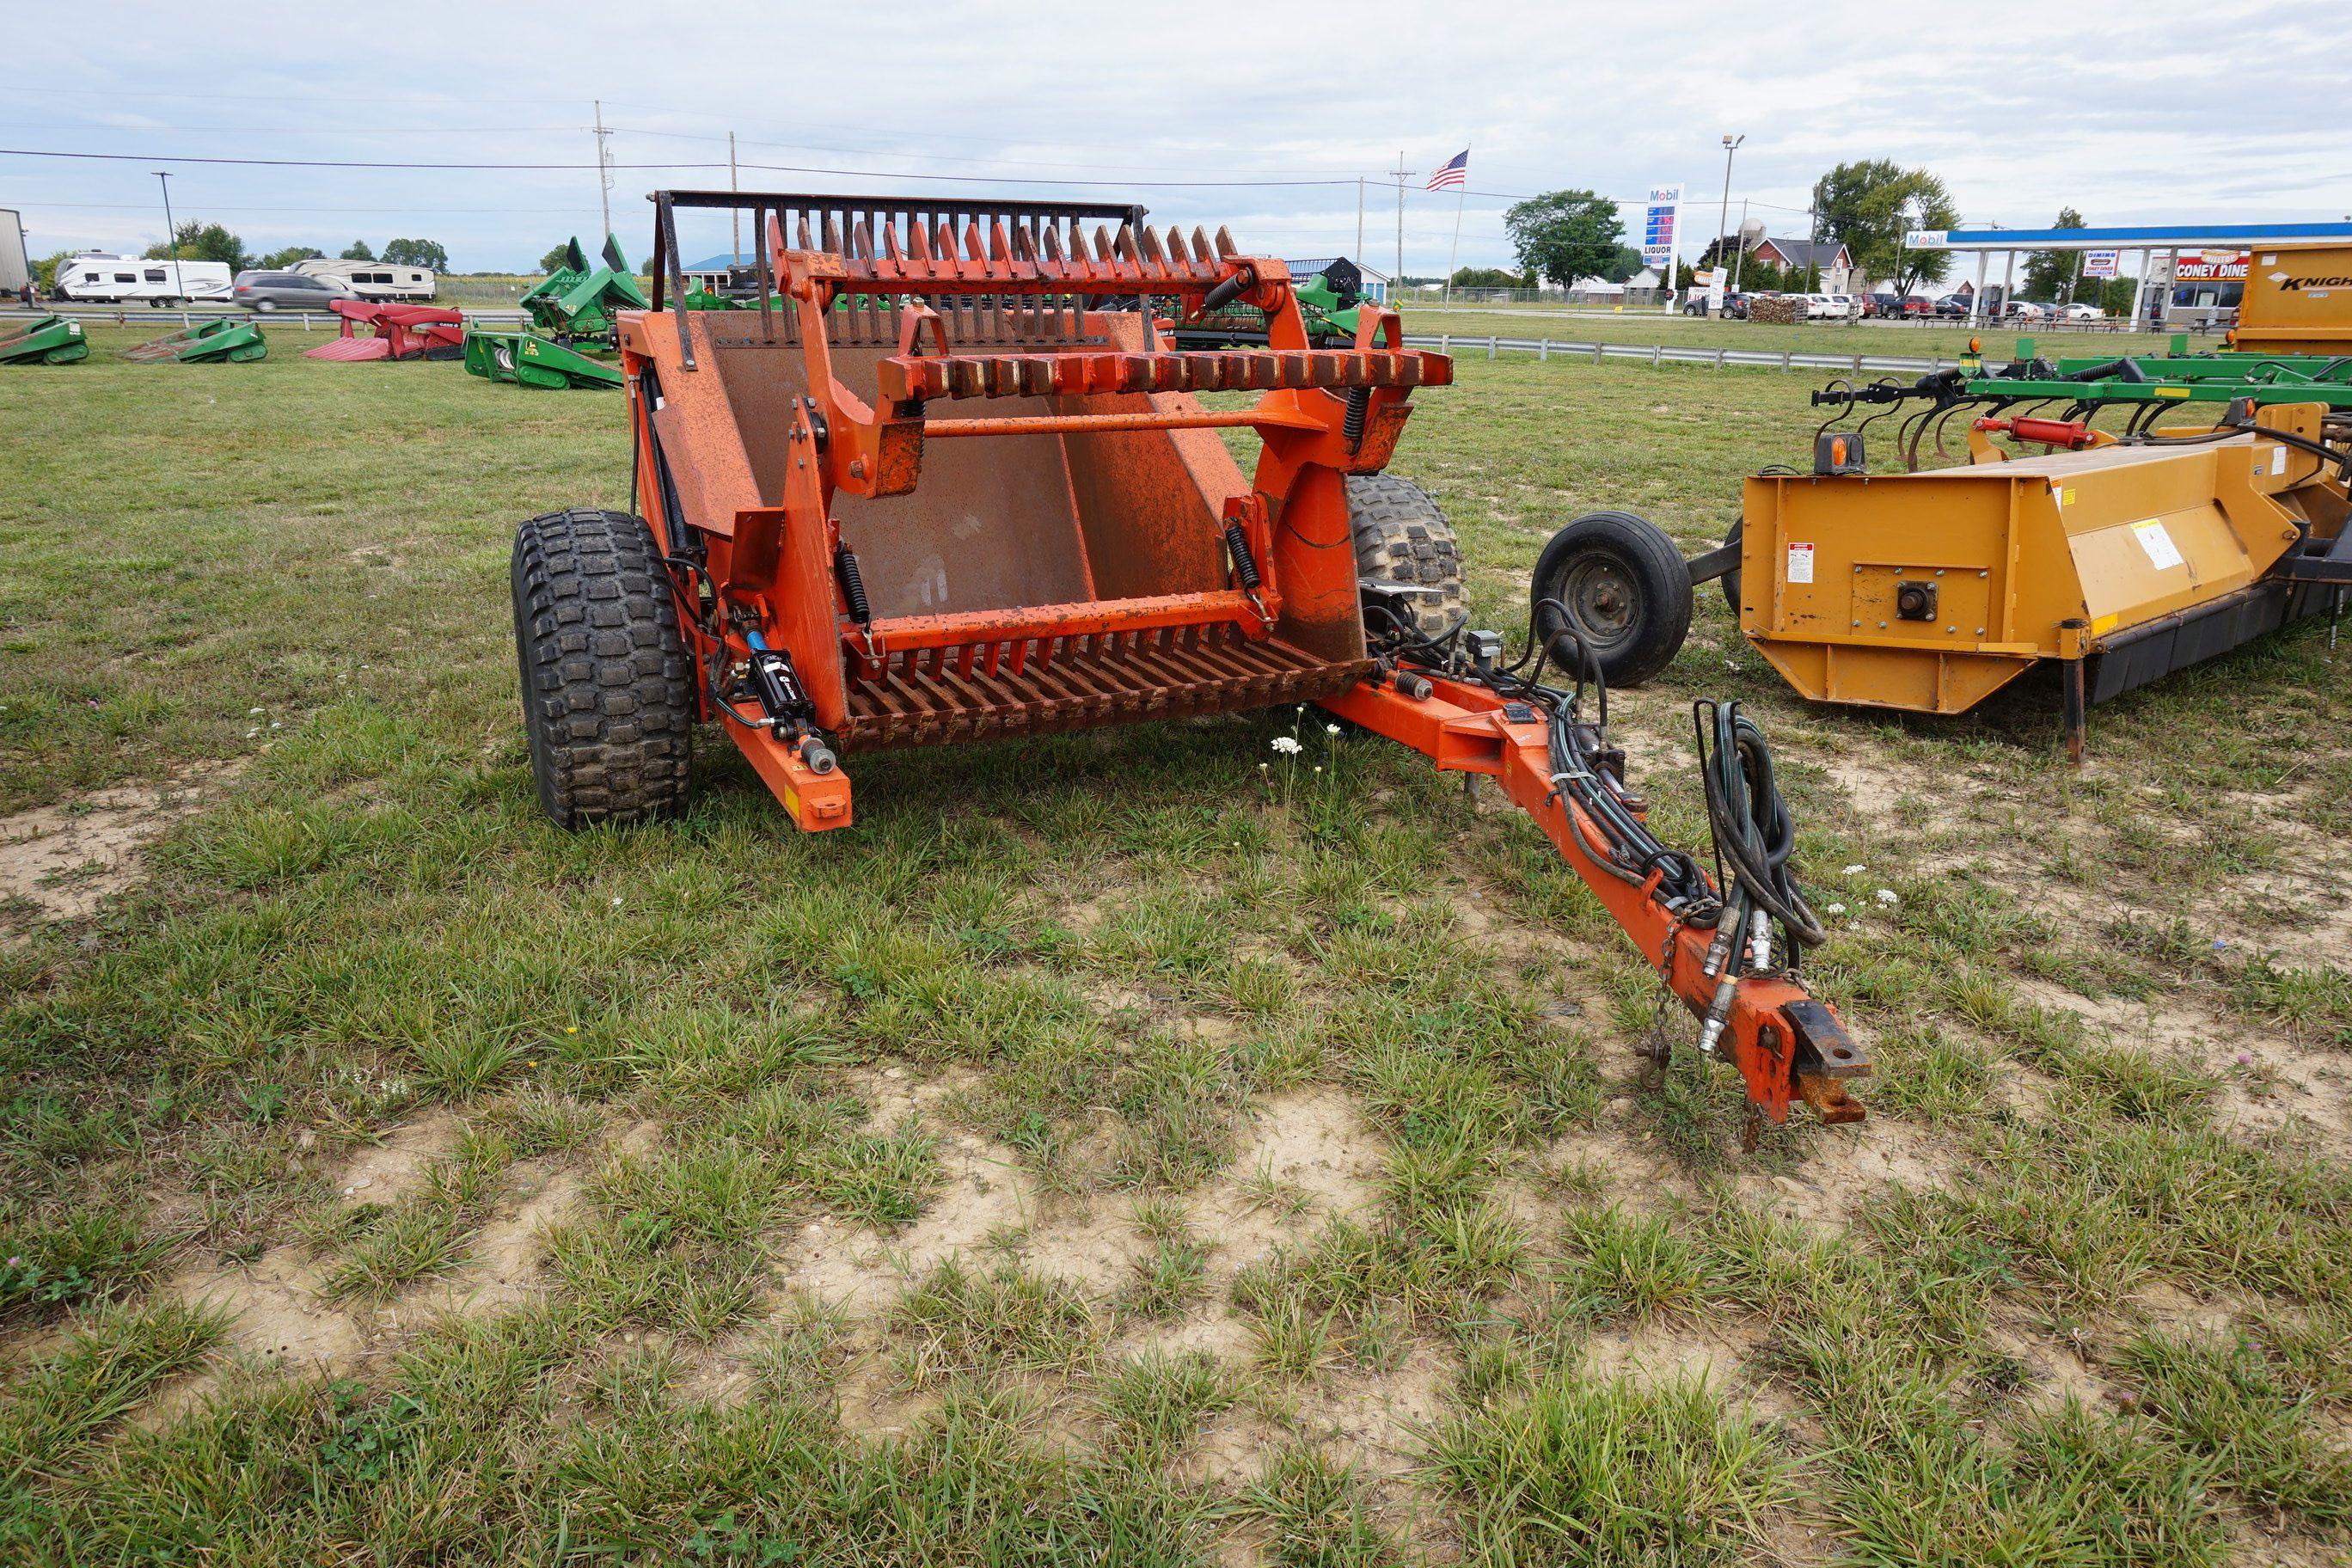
x=1454, y=256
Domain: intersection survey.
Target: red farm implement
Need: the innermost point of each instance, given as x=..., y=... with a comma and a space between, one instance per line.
x=831, y=554
x=397, y=332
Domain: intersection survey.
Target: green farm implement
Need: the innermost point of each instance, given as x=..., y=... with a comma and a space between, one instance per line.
x=229, y=339
x=576, y=300
x=2154, y=381
x=526, y=359
x=49, y=340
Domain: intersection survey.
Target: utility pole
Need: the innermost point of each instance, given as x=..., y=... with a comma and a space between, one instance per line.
x=736, y=217
x=1723, y=216
x=171, y=231
x=1399, y=283
x=604, y=167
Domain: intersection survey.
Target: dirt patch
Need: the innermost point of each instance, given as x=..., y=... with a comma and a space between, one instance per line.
x=275, y=1312
x=67, y=860
x=1308, y=1155
x=396, y=1166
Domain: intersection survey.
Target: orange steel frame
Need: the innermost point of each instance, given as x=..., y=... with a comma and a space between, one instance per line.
x=776, y=563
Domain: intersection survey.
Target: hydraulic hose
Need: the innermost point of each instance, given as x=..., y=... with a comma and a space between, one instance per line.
x=1750, y=820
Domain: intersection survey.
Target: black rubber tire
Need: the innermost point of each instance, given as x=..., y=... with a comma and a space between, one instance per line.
x=1626, y=590
x=1730, y=580
x=1402, y=536
x=607, y=684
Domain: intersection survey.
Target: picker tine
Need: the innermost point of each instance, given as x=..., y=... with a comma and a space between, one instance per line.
x=800, y=232
x=1053, y=242
x=1176, y=252
x=828, y=234
x=1200, y=251
x=975, y=248
x=1000, y=247
x=1226, y=246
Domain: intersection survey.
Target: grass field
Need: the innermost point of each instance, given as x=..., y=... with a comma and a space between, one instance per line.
x=1109, y=1151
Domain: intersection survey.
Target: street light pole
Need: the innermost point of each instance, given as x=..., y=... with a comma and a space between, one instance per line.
x=171, y=231
x=1723, y=216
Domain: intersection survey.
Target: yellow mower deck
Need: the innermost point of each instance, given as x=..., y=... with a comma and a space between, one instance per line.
x=1930, y=591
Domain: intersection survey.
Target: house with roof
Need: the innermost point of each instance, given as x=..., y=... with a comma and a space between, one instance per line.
x=1831, y=256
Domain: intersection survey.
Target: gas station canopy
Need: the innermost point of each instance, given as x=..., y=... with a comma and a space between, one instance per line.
x=2151, y=240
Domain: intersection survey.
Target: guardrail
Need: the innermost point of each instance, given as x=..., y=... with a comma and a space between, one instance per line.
x=1686, y=354
x=188, y=316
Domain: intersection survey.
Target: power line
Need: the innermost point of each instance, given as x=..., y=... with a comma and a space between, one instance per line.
x=540, y=168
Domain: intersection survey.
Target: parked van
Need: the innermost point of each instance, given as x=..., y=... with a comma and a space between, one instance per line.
x=373, y=279
x=101, y=278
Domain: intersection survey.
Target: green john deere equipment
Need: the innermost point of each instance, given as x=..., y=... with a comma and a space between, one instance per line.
x=48, y=340
x=526, y=359
x=230, y=339
x=577, y=301
x=1328, y=303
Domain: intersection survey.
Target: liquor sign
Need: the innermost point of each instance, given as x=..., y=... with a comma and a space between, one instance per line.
x=1658, y=225
x=2100, y=263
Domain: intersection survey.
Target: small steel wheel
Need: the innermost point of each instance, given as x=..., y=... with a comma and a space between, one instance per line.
x=1624, y=590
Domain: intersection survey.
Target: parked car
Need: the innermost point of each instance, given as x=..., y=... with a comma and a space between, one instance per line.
x=2079, y=312
x=2023, y=311
x=1882, y=304
x=1735, y=306
x=1952, y=305
x=268, y=292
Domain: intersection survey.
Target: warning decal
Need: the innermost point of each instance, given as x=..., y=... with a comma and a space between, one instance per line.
x=1800, y=564
x=2162, y=553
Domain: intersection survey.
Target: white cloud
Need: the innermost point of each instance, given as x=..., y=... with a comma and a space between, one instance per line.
x=2210, y=118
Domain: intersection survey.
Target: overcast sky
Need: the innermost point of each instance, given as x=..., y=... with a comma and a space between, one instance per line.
x=2224, y=111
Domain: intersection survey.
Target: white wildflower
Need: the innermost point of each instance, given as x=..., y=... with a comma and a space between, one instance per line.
x=1855, y=870
x=1837, y=909
x=1287, y=745
x=1330, y=729
x=1888, y=896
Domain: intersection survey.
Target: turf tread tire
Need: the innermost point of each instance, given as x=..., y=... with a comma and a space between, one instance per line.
x=607, y=684
x=1402, y=536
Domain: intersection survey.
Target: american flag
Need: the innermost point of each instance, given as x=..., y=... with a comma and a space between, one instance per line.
x=1455, y=172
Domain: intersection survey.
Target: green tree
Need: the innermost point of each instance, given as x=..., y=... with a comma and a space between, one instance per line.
x=1486, y=278
x=45, y=271
x=278, y=260
x=1623, y=265
x=1562, y=236
x=357, y=250
x=417, y=253
x=197, y=241
x=2053, y=274
x=559, y=257
x=1867, y=205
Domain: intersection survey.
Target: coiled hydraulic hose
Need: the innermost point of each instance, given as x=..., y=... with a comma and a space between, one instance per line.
x=1754, y=838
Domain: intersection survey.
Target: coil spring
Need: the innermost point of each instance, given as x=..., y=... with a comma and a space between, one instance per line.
x=852, y=585
x=1351, y=427
x=1244, y=565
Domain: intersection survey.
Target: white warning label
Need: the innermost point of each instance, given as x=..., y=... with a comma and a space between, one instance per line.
x=2162, y=553
x=1800, y=564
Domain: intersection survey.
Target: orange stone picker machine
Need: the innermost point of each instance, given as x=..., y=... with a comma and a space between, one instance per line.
x=830, y=556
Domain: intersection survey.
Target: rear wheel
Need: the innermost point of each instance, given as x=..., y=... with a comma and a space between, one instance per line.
x=1625, y=591
x=1401, y=536
x=608, y=685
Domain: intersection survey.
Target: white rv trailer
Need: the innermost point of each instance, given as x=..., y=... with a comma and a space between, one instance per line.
x=373, y=279
x=102, y=279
